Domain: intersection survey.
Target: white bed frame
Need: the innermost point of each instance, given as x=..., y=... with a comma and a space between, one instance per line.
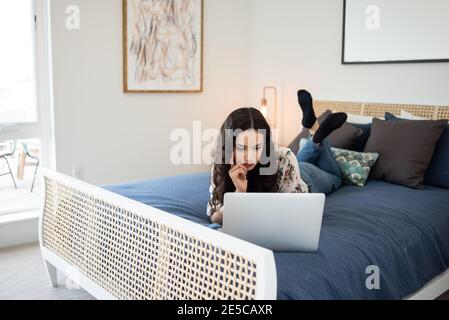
x=117, y=248
x=433, y=289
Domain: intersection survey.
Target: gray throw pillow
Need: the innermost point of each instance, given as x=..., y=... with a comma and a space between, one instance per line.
x=344, y=138
x=405, y=149
x=438, y=172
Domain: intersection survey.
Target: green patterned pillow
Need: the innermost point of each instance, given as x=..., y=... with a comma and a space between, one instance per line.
x=355, y=166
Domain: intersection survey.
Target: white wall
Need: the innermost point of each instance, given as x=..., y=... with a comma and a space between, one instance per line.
x=297, y=44
x=121, y=137
x=249, y=44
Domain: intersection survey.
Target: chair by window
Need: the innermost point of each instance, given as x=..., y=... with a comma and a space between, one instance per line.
x=5, y=156
x=26, y=154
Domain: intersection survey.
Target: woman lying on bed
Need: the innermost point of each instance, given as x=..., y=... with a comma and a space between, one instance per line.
x=255, y=165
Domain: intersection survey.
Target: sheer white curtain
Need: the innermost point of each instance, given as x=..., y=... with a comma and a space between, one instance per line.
x=18, y=89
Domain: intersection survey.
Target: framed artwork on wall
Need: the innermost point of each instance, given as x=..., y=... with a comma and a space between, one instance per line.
x=163, y=46
x=399, y=31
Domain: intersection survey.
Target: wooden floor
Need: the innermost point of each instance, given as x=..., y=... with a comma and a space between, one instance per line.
x=23, y=277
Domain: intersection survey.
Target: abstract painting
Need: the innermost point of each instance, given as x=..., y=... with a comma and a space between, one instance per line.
x=163, y=45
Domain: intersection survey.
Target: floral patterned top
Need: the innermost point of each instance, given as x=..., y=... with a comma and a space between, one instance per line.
x=289, y=177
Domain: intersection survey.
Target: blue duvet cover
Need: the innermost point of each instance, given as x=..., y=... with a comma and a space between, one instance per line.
x=401, y=231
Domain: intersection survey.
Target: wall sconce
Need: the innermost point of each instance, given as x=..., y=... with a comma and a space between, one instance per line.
x=264, y=105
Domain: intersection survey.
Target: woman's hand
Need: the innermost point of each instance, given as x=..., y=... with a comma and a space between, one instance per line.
x=238, y=175
x=217, y=217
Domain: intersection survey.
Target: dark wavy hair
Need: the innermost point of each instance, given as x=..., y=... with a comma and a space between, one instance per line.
x=242, y=119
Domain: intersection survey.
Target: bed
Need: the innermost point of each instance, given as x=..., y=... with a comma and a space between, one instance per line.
x=404, y=232
x=150, y=240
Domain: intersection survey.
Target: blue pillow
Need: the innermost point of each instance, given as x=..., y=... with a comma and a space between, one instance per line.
x=438, y=172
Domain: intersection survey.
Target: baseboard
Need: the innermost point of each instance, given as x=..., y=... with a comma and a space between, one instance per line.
x=19, y=228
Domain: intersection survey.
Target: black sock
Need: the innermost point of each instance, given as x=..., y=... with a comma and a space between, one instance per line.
x=308, y=114
x=329, y=125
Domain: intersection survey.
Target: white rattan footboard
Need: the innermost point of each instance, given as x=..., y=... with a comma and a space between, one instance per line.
x=118, y=248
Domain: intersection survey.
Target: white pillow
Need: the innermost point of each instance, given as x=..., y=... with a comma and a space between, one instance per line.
x=358, y=119
x=408, y=116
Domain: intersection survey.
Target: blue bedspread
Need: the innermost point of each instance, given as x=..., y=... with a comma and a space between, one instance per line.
x=404, y=232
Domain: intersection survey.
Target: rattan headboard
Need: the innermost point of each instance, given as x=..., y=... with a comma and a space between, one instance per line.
x=379, y=109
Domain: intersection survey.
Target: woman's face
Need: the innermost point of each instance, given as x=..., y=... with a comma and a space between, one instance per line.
x=248, y=150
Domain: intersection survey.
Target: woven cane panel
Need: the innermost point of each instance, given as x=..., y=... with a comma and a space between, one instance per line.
x=442, y=113
x=378, y=109
x=136, y=258
x=336, y=106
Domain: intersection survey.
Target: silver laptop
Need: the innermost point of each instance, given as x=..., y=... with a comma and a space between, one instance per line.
x=276, y=221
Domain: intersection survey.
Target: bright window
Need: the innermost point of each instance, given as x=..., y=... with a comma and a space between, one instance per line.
x=18, y=102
